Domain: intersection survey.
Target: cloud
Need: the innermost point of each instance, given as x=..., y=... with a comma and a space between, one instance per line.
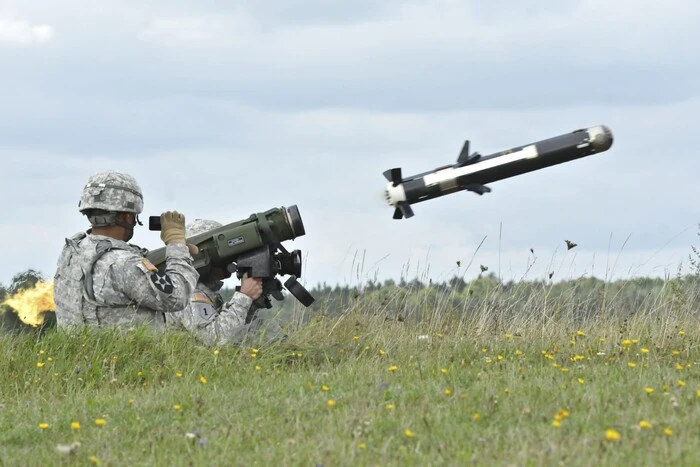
x=18, y=32
x=223, y=110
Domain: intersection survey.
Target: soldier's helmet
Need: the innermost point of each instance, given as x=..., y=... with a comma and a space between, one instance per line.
x=199, y=226
x=112, y=191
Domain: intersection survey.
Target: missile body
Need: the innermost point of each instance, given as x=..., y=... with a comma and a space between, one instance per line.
x=473, y=171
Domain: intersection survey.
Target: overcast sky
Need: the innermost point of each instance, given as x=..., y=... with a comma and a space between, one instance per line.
x=221, y=109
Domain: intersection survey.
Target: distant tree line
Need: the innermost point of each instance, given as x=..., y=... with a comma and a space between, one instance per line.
x=583, y=298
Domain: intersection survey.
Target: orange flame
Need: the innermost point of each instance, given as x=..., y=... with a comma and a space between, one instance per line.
x=31, y=304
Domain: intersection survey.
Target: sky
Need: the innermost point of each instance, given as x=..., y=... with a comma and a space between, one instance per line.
x=223, y=109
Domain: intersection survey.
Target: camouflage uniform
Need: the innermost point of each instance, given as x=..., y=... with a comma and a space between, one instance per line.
x=215, y=322
x=103, y=281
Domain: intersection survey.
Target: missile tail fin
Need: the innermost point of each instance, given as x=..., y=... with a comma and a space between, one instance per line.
x=403, y=209
x=393, y=175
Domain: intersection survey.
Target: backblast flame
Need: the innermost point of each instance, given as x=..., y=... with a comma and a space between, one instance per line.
x=31, y=304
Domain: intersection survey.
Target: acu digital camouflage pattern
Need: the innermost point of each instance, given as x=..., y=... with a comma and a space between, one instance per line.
x=199, y=226
x=126, y=291
x=112, y=191
x=214, y=322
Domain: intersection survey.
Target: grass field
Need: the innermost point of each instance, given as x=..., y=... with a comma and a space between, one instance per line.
x=363, y=388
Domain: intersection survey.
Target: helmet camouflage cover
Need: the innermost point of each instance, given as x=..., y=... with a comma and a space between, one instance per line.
x=199, y=226
x=112, y=191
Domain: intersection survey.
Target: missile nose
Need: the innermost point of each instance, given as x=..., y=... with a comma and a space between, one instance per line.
x=601, y=138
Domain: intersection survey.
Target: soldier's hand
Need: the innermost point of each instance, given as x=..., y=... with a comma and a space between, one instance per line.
x=251, y=286
x=172, y=227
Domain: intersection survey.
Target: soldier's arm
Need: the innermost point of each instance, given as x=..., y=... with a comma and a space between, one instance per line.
x=202, y=320
x=168, y=290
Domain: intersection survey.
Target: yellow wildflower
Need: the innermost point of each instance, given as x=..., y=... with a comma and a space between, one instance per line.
x=390, y=406
x=580, y=333
x=649, y=390
x=448, y=392
x=612, y=435
x=216, y=352
x=355, y=338
x=178, y=374
x=644, y=425
x=518, y=352
x=681, y=383
x=381, y=352
x=556, y=423
x=581, y=380
x=130, y=401
x=476, y=416
x=443, y=371
x=644, y=350
x=94, y=460
x=631, y=364
x=100, y=422
x=509, y=336
x=408, y=433
x=257, y=368
x=325, y=388
x=177, y=407
x=75, y=426
x=331, y=403
x=392, y=368
x=500, y=357
x=626, y=343
x=668, y=431
x=681, y=333
x=202, y=379
x=43, y=425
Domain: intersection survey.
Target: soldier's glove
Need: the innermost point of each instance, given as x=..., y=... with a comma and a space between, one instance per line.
x=172, y=227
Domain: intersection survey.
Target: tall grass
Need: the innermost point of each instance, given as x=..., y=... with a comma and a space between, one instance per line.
x=392, y=377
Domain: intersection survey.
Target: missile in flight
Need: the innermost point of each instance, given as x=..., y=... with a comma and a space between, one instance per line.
x=473, y=171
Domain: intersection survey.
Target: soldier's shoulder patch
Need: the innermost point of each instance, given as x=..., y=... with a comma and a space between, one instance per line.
x=203, y=313
x=148, y=265
x=201, y=297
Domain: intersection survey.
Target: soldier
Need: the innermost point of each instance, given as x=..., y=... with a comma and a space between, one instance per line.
x=102, y=280
x=213, y=321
